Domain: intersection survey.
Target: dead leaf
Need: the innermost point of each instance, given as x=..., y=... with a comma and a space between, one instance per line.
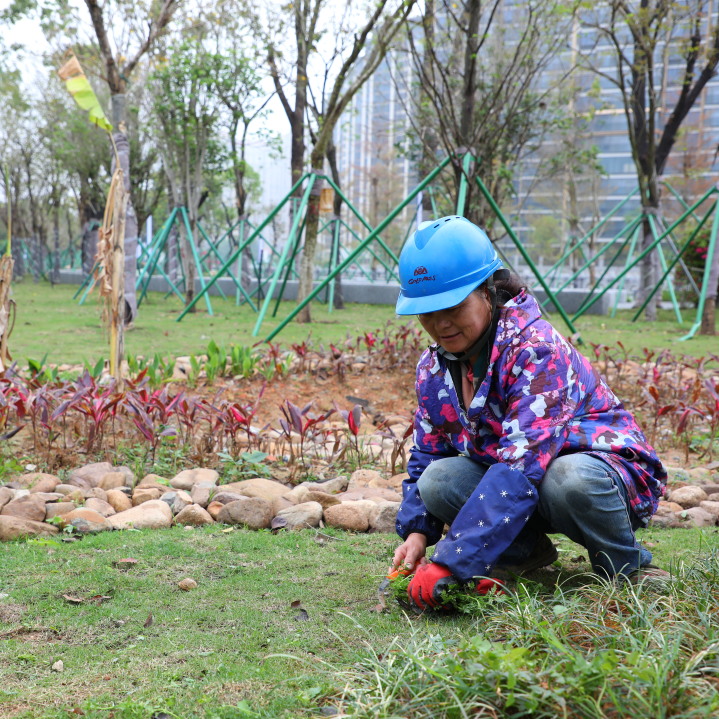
x=379, y=608
x=72, y=600
x=295, y=604
x=148, y=621
x=99, y=598
x=228, y=530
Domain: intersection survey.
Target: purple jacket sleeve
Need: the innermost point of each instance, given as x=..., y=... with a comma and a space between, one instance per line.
x=413, y=515
x=488, y=523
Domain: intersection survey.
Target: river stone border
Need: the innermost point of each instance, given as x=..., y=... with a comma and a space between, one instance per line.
x=100, y=497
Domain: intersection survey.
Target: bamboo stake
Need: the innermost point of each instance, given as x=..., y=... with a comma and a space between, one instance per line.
x=6, y=267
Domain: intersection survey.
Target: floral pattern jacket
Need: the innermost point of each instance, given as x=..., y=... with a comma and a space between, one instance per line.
x=540, y=399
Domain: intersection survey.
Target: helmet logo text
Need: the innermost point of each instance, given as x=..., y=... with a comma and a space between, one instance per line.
x=420, y=271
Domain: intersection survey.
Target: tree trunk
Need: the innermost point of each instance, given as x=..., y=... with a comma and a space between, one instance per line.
x=708, y=326
x=469, y=96
x=307, y=262
x=123, y=154
x=338, y=302
x=648, y=272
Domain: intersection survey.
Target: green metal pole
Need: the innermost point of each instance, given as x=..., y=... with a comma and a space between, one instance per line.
x=150, y=266
x=630, y=254
x=238, y=285
x=350, y=258
x=527, y=258
x=594, y=229
x=214, y=251
x=648, y=249
x=292, y=240
x=237, y=252
x=196, y=258
x=346, y=200
x=289, y=264
x=663, y=263
x=462, y=194
x=627, y=228
x=683, y=249
x=333, y=260
x=86, y=285
x=580, y=311
x=711, y=249
x=678, y=197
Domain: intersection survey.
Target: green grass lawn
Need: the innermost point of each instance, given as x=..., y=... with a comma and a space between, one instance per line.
x=146, y=650
x=50, y=322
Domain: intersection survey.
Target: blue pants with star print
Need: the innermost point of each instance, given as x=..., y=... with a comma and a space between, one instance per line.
x=580, y=496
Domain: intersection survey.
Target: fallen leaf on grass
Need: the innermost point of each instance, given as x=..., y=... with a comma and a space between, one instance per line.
x=379, y=608
x=295, y=604
x=72, y=600
x=148, y=621
x=228, y=530
x=99, y=598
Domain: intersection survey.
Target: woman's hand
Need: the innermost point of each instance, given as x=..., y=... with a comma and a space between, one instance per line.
x=410, y=553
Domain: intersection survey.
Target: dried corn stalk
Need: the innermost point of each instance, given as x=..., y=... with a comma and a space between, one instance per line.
x=110, y=264
x=6, y=265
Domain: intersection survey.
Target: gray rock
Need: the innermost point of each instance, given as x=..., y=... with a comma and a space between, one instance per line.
x=307, y=514
x=382, y=517
x=254, y=512
x=177, y=500
x=154, y=514
x=193, y=515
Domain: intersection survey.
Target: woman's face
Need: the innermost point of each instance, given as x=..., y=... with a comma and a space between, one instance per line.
x=458, y=328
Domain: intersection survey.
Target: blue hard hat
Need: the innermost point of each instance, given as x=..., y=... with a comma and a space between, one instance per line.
x=442, y=263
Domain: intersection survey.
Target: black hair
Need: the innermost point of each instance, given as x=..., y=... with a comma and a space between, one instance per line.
x=507, y=284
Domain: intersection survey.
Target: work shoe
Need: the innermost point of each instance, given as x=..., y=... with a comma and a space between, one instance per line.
x=543, y=554
x=649, y=575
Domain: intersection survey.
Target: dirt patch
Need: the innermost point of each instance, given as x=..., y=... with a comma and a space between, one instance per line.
x=385, y=392
x=11, y=613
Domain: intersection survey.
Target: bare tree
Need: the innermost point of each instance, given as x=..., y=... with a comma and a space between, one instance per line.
x=355, y=51
x=643, y=39
x=484, y=85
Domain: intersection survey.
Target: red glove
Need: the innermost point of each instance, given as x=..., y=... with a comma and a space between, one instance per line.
x=428, y=583
x=487, y=586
